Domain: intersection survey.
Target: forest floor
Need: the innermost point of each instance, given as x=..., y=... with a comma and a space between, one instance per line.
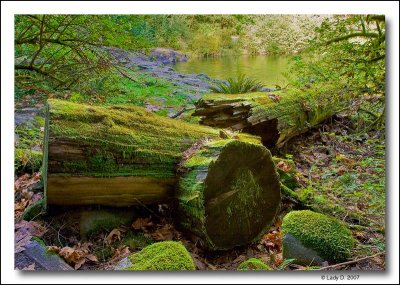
x=339, y=169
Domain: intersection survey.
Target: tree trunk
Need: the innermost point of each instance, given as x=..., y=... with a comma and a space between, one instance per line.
x=227, y=189
x=229, y=192
x=275, y=117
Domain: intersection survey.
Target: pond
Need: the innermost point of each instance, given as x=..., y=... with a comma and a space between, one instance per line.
x=267, y=69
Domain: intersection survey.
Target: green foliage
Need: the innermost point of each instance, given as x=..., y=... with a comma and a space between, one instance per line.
x=241, y=84
x=27, y=160
x=136, y=240
x=326, y=235
x=167, y=255
x=96, y=221
x=348, y=50
x=253, y=264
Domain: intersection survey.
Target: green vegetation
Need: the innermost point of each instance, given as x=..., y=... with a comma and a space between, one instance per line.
x=96, y=221
x=34, y=210
x=241, y=84
x=349, y=51
x=167, y=255
x=253, y=264
x=328, y=236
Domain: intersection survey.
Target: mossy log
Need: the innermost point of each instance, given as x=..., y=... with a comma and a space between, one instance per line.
x=227, y=189
x=275, y=117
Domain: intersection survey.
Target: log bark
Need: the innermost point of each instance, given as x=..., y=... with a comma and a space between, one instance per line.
x=226, y=188
x=275, y=117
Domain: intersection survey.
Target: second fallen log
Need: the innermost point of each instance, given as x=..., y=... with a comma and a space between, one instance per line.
x=275, y=117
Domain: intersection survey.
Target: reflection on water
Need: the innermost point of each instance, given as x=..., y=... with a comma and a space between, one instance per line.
x=267, y=69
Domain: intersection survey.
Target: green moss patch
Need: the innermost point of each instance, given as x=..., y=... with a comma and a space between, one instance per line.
x=329, y=237
x=167, y=255
x=35, y=210
x=27, y=160
x=253, y=264
x=95, y=221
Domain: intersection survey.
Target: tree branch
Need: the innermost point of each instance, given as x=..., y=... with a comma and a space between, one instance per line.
x=37, y=70
x=350, y=262
x=353, y=35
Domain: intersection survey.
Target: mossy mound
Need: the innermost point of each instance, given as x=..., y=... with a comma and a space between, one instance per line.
x=35, y=210
x=329, y=237
x=167, y=255
x=253, y=264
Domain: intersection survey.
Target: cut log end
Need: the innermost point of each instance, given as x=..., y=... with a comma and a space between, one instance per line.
x=230, y=193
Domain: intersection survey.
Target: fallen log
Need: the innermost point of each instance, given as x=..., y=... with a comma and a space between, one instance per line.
x=275, y=117
x=226, y=190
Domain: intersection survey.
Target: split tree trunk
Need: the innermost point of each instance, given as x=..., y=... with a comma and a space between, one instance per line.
x=275, y=117
x=227, y=190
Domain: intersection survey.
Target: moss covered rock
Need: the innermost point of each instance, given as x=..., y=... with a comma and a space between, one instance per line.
x=167, y=255
x=253, y=264
x=327, y=236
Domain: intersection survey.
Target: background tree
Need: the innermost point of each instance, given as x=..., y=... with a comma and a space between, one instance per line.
x=350, y=52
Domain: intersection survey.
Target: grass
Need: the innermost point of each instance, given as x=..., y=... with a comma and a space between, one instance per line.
x=239, y=85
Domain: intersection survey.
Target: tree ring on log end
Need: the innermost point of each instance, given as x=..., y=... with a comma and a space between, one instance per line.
x=231, y=195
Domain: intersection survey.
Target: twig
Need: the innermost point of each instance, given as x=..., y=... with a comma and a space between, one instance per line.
x=181, y=112
x=147, y=208
x=350, y=262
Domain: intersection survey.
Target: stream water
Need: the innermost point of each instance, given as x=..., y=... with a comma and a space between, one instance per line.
x=267, y=69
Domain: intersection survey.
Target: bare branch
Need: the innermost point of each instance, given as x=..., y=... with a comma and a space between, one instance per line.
x=353, y=35
x=350, y=262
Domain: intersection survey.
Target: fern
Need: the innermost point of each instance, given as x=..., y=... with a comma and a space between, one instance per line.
x=239, y=85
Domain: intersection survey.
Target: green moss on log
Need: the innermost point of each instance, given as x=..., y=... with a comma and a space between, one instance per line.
x=276, y=117
x=253, y=264
x=117, y=140
x=229, y=193
x=167, y=255
x=329, y=237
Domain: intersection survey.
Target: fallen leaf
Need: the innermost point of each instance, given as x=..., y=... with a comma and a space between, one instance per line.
x=29, y=267
x=22, y=239
x=92, y=257
x=141, y=223
x=120, y=252
x=114, y=234
x=34, y=228
x=283, y=166
x=53, y=248
x=164, y=233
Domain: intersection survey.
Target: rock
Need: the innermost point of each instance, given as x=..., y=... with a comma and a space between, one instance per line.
x=203, y=76
x=293, y=248
x=168, y=56
x=327, y=236
x=166, y=255
x=37, y=254
x=266, y=89
x=123, y=263
x=253, y=264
